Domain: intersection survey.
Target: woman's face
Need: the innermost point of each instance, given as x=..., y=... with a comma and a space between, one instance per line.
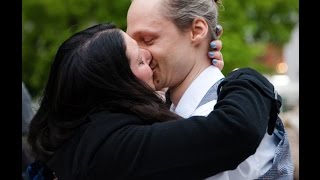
x=139, y=60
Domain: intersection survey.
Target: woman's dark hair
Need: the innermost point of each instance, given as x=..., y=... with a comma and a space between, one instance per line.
x=90, y=73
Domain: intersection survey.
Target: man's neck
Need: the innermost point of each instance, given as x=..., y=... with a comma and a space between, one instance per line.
x=177, y=91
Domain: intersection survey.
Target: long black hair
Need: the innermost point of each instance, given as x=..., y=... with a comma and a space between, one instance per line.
x=90, y=73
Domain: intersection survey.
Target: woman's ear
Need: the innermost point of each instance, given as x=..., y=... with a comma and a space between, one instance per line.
x=199, y=30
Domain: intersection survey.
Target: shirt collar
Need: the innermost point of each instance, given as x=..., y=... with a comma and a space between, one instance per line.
x=196, y=91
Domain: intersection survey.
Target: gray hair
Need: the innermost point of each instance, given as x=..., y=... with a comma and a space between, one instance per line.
x=183, y=12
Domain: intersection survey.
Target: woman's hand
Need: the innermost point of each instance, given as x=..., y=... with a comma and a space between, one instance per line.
x=215, y=54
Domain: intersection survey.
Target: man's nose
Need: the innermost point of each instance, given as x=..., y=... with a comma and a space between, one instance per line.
x=148, y=60
x=152, y=64
x=147, y=55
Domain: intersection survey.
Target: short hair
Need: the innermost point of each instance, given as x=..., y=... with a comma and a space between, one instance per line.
x=183, y=12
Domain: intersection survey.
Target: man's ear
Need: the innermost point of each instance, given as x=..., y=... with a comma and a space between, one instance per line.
x=199, y=30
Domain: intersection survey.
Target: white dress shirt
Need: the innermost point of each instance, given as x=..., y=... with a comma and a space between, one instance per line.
x=255, y=165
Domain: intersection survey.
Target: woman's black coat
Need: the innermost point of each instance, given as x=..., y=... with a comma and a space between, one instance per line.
x=121, y=146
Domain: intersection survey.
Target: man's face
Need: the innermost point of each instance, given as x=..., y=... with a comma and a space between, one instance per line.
x=169, y=46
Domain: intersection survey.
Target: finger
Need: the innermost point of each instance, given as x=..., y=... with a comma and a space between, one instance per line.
x=215, y=55
x=218, y=31
x=216, y=45
x=218, y=64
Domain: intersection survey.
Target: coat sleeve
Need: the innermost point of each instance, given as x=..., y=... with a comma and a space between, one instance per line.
x=196, y=147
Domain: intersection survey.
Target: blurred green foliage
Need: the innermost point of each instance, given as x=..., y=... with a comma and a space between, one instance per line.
x=248, y=26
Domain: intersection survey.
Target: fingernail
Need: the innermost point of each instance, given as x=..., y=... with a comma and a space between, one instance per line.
x=219, y=30
x=213, y=44
x=210, y=54
x=214, y=61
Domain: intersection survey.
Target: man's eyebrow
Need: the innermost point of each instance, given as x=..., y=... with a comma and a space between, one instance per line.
x=143, y=32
